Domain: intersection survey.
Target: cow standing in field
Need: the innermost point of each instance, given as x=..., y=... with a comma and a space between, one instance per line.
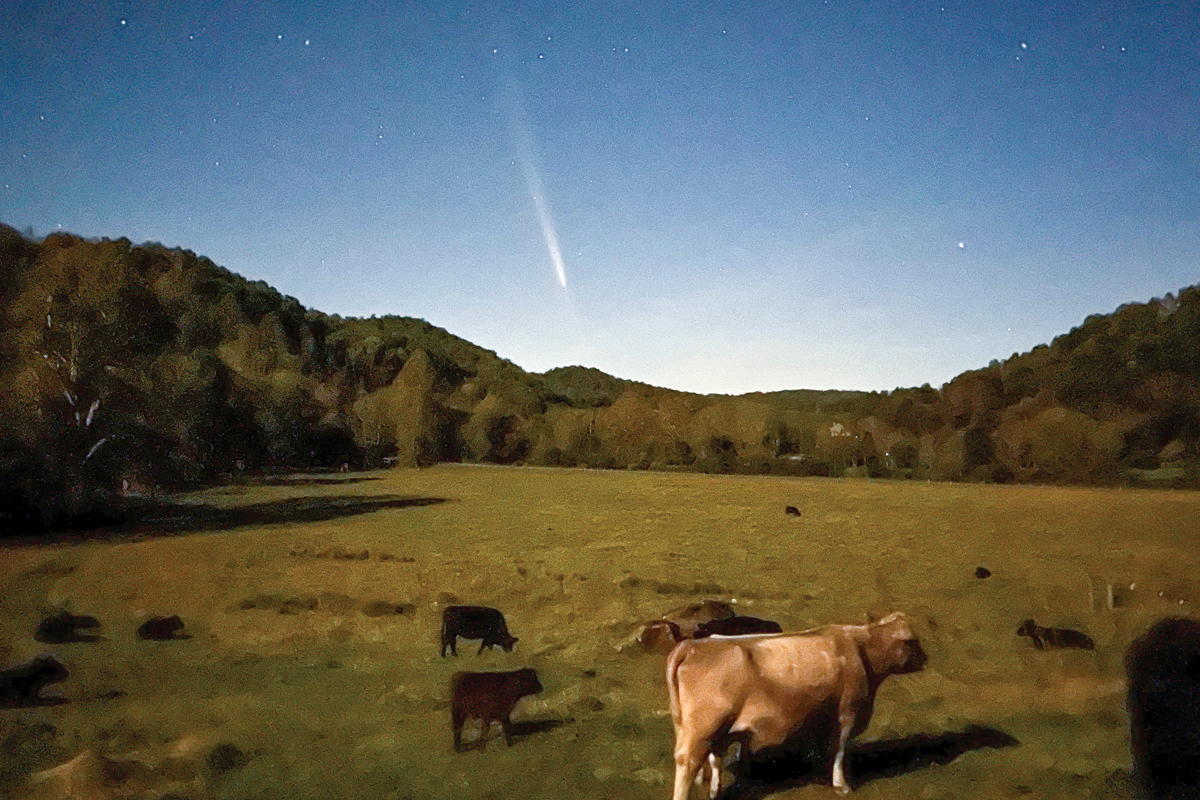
x=489, y=696
x=1163, y=699
x=475, y=622
x=767, y=691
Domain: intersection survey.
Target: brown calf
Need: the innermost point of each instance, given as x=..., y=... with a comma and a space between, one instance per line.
x=489, y=696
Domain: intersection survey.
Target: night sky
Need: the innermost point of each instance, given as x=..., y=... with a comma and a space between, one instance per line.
x=737, y=196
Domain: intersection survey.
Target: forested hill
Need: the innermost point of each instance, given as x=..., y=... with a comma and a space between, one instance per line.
x=129, y=368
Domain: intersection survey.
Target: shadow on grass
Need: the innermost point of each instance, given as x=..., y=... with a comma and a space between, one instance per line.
x=520, y=730
x=169, y=519
x=32, y=702
x=867, y=762
x=307, y=480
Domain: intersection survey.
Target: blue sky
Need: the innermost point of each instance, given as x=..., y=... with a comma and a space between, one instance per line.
x=746, y=197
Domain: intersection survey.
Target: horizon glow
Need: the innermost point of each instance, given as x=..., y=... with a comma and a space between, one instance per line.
x=843, y=195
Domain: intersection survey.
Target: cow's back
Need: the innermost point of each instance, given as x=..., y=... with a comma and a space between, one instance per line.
x=766, y=685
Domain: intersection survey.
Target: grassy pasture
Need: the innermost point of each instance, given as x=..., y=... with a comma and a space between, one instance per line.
x=294, y=661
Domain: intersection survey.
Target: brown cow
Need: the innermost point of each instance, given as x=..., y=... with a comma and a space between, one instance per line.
x=659, y=636
x=764, y=691
x=489, y=696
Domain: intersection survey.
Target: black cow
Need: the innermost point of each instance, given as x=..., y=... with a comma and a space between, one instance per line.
x=1164, y=709
x=65, y=627
x=1044, y=638
x=22, y=685
x=490, y=697
x=161, y=629
x=475, y=622
x=690, y=618
x=736, y=626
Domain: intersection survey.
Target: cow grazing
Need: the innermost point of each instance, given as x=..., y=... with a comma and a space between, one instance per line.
x=659, y=636
x=982, y=572
x=690, y=618
x=161, y=629
x=22, y=685
x=737, y=626
x=65, y=627
x=490, y=697
x=769, y=691
x=792, y=511
x=1045, y=638
x=475, y=622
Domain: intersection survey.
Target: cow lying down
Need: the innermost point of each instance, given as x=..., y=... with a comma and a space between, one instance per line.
x=1046, y=638
x=766, y=691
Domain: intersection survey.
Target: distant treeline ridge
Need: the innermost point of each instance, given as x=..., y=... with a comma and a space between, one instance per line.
x=125, y=369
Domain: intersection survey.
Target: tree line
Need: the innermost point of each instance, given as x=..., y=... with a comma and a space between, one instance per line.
x=130, y=369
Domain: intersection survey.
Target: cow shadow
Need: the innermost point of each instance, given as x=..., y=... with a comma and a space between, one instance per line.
x=530, y=727
x=31, y=702
x=311, y=480
x=189, y=518
x=520, y=731
x=866, y=762
x=155, y=518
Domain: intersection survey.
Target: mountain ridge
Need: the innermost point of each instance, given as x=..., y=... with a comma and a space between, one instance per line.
x=127, y=368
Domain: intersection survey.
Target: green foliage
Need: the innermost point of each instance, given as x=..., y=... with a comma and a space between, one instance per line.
x=119, y=360
x=583, y=387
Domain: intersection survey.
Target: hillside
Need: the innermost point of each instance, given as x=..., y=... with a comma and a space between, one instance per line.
x=128, y=368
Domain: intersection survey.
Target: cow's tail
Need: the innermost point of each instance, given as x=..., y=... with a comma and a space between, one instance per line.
x=673, y=661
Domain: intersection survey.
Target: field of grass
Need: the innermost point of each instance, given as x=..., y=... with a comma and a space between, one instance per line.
x=300, y=680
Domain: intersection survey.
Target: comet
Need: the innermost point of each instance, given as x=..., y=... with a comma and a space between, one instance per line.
x=549, y=233
x=523, y=143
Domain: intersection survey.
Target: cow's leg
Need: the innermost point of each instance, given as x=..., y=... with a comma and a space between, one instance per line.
x=688, y=758
x=845, y=727
x=456, y=722
x=506, y=724
x=715, y=785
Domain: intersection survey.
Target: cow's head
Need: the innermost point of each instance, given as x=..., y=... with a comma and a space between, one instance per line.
x=893, y=648
x=507, y=642
x=49, y=669
x=527, y=681
x=660, y=634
